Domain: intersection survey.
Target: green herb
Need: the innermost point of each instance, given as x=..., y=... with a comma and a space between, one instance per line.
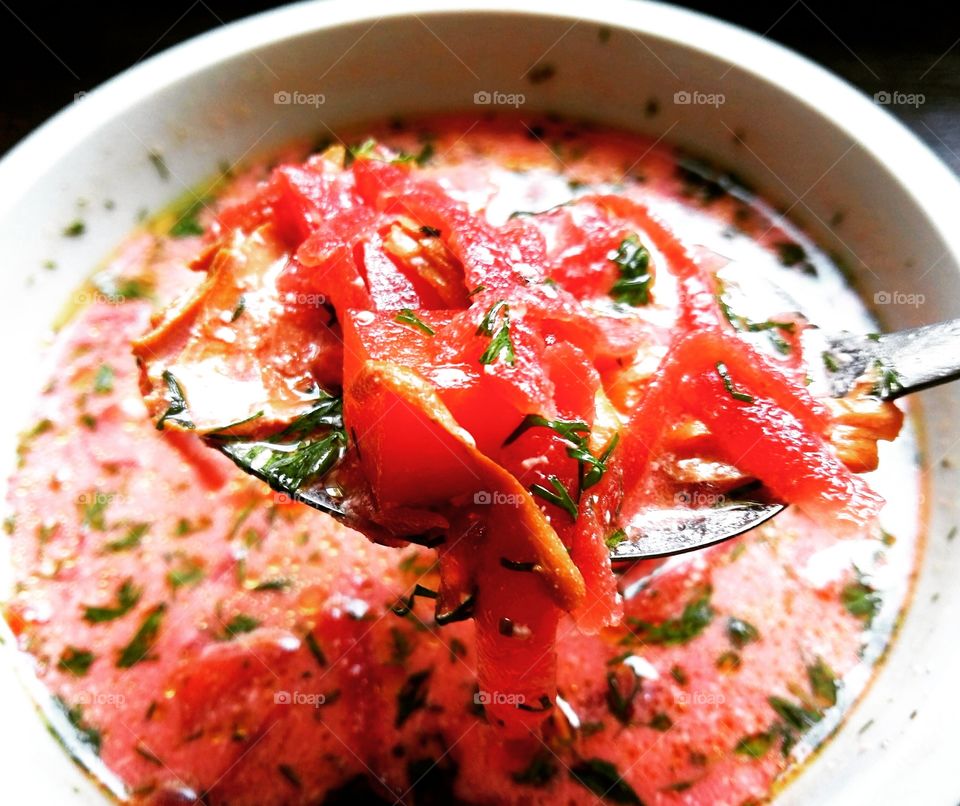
x=408, y=317
x=541, y=770
x=775, y=329
x=290, y=774
x=496, y=324
x=861, y=599
x=829, y=361
x=514, y=565
x=598, y=464
x=633, y=260
x=678, y=674
x=130, y=540
x=127, y=597
x=86, y=733
x=602, y=779
x=143, y=640
x=558, y=496
x=425, y=154
x=728, y=384
x=240, y=624
x=741, y=632
x=412, y=696
x=160, y=164
x=430, y=232
x=277, y=584
x=755, y=745
x=314, y=646
x=95, y=510
x=188, y=572
x=615, y=538
x=823, y=683
x=365, y=150
x=188, y=219
x=571, y=431
x=303, y=452
x=103, y=381
x=239, y=309
x=145, y=752
x=76, y=661
x=661, y=722
x=694, y=619
x=887, y=381
x=795, y=716
x=75, y=229
x=177, y=411
x=619, y=697
x=576, y=435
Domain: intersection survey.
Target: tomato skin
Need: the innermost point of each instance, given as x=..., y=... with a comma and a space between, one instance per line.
x=762, y=438
x=389, y=289
x=516, y=625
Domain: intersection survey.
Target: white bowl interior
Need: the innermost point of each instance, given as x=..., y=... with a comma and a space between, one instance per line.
x=808, y=142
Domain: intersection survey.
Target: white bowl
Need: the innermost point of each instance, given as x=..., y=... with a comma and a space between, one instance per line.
x=809, y=142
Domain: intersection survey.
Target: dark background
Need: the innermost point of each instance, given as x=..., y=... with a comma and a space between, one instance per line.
x=50, y=51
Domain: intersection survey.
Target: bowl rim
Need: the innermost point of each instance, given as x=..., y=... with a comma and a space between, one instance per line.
x=923, y=178
x=911, y=163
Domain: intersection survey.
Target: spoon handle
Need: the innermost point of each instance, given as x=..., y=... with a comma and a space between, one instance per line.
x=922, y=357
x=902, y=362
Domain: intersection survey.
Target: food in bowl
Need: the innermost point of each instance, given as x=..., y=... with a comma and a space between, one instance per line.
x=503, y=342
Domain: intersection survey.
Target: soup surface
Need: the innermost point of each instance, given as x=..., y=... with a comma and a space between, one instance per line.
x=205, y=638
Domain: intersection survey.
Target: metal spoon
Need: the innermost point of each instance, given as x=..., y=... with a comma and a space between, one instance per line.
x=902, y=362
